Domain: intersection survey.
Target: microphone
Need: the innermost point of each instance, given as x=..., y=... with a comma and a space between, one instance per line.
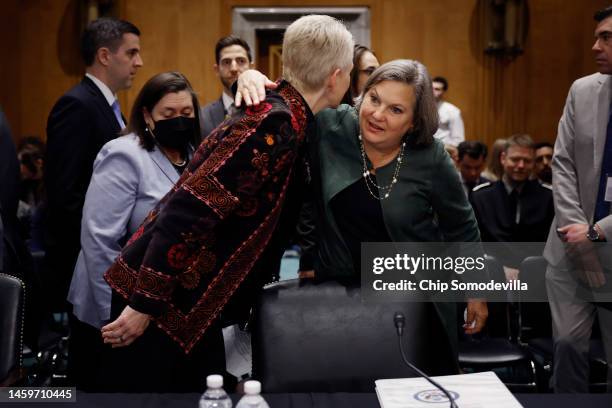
x=400, y=321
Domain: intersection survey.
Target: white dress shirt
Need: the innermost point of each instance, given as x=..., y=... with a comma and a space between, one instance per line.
x=450, y=129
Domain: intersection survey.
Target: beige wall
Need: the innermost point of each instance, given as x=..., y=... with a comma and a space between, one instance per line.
x=498, y=97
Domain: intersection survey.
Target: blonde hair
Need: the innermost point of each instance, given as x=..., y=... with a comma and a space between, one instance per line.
x=313, y=47
x=494, y=166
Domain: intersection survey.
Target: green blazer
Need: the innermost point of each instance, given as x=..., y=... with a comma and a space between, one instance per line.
x=427, y=204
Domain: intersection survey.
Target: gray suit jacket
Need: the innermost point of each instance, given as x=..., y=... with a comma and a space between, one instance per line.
x=127, y=182
x=577, y=159
x=211, y=116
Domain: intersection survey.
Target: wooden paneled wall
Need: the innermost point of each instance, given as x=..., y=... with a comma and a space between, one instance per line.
x=497, y=96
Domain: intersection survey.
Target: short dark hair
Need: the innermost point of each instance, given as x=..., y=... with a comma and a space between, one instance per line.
x=543, y=144
x=603, y=14
x=31, y=140
x=229, y=41
x=351, y=93
x=473, y=149
x=441, y=80
x=104, y=32
x=151, y=93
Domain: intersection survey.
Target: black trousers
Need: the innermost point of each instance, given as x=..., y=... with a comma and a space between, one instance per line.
x=155, y=363
x=85, y=349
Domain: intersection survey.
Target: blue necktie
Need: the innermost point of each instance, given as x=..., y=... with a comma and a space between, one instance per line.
x=117, y=112
x=602, y=208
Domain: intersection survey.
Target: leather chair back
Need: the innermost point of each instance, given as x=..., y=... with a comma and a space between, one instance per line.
x=12, y=292
x=321, y=337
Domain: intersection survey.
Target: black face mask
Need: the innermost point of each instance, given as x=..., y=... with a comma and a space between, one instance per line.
x=175, y=133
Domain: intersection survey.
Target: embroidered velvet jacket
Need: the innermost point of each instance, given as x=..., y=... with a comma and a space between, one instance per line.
x=193, y=251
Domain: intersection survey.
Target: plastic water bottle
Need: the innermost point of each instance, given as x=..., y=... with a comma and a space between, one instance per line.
x=215, y=396
x=252, y=396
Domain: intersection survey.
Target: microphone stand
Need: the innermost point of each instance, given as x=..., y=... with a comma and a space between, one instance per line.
x=399, y=320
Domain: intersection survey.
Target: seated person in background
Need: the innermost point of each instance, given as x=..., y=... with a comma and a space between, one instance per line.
x=364, y=63
x=31, y=153
x=515, y=208
x=471, y=159
x=495, y=170
x=543, y=162
x=453, y=152
x=381, y=154
x=207, y=245
x=130, y=176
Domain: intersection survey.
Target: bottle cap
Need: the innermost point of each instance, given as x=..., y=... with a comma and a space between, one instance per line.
x=252, y=387
x=214, y=381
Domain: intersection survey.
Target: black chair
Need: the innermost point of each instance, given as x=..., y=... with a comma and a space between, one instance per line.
x=536, y=329
x=12, y=293
x=497, y=348
x=321, y=337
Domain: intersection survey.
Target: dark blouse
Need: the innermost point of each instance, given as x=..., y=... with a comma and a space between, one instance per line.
x=359, y=218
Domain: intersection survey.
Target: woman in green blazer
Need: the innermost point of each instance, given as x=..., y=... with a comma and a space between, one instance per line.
x=380, y=176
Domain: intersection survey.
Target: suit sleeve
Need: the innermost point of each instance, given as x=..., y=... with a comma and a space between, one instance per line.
x=68, y=127
x=109, y=203
x=565, y=180
x=209, y=195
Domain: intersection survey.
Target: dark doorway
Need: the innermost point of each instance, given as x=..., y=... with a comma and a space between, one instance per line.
x=269, y=48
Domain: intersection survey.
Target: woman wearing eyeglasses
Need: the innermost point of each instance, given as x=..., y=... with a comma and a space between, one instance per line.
x=364, y=63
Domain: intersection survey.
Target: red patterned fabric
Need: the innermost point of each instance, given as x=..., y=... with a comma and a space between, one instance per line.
x=201, y=242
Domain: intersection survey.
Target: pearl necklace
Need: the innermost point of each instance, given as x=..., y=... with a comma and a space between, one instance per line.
x=383, y=191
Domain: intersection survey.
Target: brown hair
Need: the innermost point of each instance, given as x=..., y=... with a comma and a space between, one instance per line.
x=521, y=140
x=351, y=93
x=412, y=73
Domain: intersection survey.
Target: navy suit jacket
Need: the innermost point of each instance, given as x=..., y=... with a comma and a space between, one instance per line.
x=211, y=116
x=79, y=124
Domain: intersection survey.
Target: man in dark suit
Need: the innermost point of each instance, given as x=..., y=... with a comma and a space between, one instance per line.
x=80, y=123
x=472, y=156
x=515, y=208
x=233, y=57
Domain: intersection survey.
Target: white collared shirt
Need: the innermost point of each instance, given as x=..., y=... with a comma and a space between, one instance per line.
x=108, y=94
x=228, y=101
x=450, y=129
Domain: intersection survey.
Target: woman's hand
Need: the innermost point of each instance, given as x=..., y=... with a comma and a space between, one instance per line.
x=128, y=327
x=252, y=86
x=477, y=313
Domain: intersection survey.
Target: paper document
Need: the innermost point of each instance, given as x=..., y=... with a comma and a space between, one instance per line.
x=480, y=390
